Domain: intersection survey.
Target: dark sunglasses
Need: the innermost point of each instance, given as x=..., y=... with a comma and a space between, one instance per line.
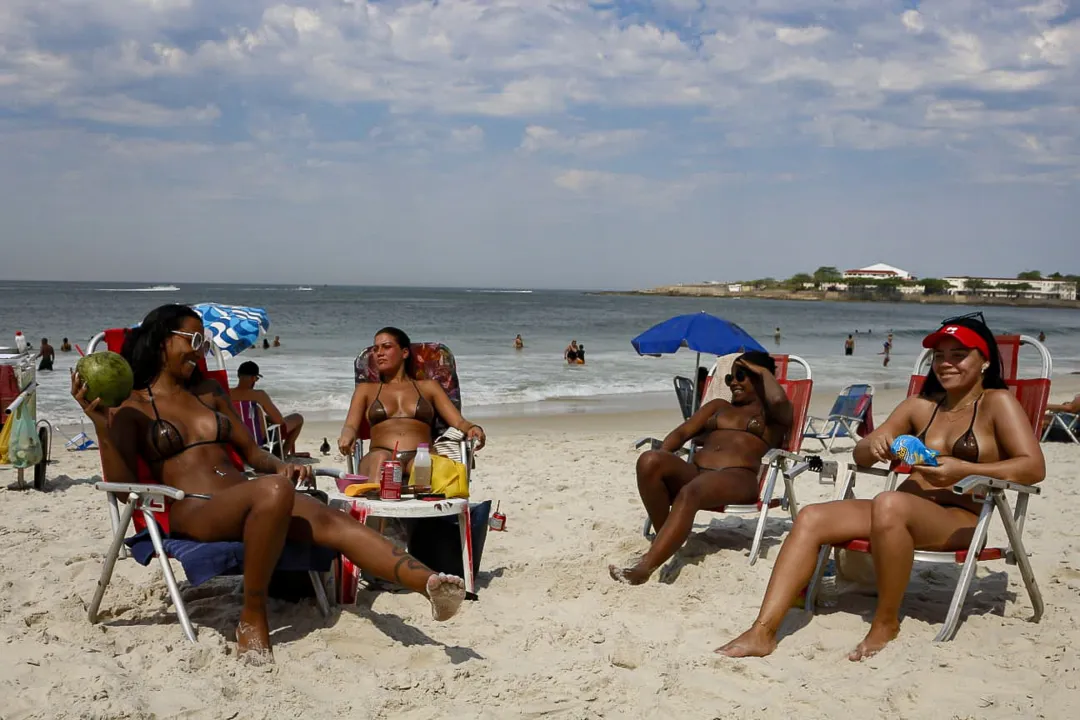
x=977, y=315
x=738, y=375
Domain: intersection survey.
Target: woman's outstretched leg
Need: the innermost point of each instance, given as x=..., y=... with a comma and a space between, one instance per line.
x=259, y=512
x=710, y=489
x=315, y=523
x=816, y=525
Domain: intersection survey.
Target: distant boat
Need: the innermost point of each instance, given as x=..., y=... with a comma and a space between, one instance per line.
x=152, y=288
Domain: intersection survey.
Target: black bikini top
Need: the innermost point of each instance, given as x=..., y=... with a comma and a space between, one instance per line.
x=966, y=447
x=755, y=426
x=424, y=412
x=165, y=438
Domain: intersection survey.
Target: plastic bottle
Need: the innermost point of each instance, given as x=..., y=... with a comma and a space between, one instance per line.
x=829, y=594
x=421, y=468
x=20, y=342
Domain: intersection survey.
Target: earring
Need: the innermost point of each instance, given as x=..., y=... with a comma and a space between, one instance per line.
x=986, y=366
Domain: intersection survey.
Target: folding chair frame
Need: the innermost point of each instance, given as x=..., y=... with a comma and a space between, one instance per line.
x=832, y=424
x=272, y=433
x=775, y=462
x=1068, y=422
x=990, y=493
x=149, y=499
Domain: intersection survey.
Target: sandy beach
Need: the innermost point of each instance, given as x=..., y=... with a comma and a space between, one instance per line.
x=552, y=635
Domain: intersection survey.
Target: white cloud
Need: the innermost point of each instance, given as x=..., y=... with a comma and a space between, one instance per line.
x=122, y=110
x=801, y=35
x=630, y=109
x=599, y=142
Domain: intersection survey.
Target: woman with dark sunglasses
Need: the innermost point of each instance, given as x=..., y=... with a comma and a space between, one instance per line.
x=181, y=425
x=735, y=435
x=966, y=412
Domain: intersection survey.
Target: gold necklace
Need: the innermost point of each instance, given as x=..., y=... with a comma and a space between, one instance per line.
x=963, y=407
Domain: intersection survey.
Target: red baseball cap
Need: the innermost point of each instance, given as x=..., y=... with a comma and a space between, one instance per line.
x=963, y=335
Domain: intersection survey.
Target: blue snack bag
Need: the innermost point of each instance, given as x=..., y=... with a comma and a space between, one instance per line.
x=911, y=451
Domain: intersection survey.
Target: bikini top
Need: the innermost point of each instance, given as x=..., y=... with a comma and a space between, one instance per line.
x=424, y=412
x=166, y=440
x=755, y=426
x=966, y=447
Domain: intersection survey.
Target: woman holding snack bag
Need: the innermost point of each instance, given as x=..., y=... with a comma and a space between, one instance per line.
x=965, y=421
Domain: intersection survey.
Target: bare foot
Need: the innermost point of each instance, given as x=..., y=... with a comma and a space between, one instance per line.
x=879, y=636
x=758, y=641
x=253, y=640
x=631, y=576
x=446, y=593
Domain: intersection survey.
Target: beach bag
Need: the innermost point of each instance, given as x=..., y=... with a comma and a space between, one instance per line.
x=436, y=542
x=24, y=446
x=449, y=478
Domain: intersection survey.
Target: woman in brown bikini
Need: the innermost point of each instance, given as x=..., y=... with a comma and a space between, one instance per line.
x=966, y=412
x=724, y=471
x=401, y=411
x=181, y=424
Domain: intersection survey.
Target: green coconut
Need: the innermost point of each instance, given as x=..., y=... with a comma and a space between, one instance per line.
x=107, y=376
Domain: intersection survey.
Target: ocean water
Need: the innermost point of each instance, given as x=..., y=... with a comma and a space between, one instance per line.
x=322, y=329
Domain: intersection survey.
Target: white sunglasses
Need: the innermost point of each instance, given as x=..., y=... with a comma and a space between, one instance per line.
x=197, y=339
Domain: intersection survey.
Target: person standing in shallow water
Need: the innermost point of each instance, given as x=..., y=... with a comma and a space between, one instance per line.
x=518, y=342
x=47, y=355
x=849, y=345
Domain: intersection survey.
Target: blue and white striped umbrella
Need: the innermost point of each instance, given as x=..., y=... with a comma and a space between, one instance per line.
x=233, y=328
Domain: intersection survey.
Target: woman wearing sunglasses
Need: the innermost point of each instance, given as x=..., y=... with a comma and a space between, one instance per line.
x=735, y=435
x=966, y=412
x=181, y=424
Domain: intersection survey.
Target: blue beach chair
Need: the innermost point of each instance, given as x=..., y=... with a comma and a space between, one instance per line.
x=848, y=413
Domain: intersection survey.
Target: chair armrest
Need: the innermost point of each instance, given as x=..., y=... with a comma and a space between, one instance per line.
x=142, y=489
x=974, y=483
x=652, y=442
x=802, y=463
x=879, y=472
x=329, y=472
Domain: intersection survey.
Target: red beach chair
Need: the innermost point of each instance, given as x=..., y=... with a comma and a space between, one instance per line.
x=785, y=462
x=147, y=506
x=1033, y=394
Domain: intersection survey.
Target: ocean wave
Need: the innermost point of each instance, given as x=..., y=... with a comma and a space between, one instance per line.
x=501, y=292
x=152, y=288
x=303, y=288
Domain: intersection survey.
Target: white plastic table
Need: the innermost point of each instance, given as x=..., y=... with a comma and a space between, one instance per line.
x=362, y=508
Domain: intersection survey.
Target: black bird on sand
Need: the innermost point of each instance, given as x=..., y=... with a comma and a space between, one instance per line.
x=325, y=447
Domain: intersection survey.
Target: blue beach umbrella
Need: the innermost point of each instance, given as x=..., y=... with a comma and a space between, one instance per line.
x=232, y=328
x=700, y=332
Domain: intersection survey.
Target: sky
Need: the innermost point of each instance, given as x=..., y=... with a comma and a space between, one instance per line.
x=536, y=143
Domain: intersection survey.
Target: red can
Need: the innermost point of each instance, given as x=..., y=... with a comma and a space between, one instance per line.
x=497, y=521
x=390, y=480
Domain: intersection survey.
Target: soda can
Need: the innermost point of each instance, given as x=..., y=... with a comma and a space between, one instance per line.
x=390, y=480
x=497, y=521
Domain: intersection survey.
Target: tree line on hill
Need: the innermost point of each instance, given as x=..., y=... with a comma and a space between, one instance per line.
x=827, y=277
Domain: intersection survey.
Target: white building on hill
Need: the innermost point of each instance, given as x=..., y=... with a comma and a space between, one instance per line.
x=879, y=271
x=1013, y=287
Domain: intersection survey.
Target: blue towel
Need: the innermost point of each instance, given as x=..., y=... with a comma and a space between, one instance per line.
x=203, y=561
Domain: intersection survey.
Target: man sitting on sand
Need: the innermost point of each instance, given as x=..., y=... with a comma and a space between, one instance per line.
x=246, y=377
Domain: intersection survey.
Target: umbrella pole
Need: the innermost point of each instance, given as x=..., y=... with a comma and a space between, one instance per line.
x=695, y=403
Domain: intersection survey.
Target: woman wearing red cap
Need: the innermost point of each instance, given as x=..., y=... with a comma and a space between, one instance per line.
x=967, y=413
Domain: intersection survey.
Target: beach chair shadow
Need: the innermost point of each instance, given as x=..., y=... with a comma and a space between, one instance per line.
x=395, y=628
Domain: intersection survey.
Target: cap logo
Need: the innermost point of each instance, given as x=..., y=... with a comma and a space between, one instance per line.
x=951, y=330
